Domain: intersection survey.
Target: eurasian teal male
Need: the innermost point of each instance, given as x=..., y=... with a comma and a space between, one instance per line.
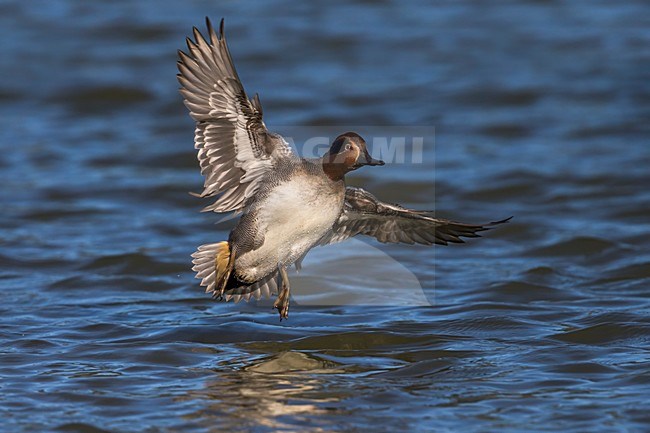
x=288, y=204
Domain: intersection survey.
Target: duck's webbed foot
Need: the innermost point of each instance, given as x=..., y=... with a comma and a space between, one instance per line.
x=282, y=302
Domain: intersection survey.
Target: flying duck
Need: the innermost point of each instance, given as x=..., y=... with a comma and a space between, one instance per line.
x=288, y=204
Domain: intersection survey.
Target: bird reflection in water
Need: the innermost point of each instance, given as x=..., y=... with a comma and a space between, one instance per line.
x=285, y=385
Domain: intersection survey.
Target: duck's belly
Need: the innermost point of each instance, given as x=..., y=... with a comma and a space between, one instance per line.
x=293, y=217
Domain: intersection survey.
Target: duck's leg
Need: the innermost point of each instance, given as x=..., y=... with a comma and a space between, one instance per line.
x=282, y=302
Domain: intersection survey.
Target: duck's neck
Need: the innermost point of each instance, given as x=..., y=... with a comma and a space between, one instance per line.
x=334, y=170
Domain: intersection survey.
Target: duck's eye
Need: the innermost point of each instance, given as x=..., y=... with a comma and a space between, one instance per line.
x=348, y=146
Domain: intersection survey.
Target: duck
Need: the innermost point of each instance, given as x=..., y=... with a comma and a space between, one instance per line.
x=286, y=204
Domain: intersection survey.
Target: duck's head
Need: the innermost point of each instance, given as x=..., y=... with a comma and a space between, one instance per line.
x=348, y=152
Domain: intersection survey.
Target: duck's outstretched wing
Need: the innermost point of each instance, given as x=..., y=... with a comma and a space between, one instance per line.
x=364, y=214
x=234, y=147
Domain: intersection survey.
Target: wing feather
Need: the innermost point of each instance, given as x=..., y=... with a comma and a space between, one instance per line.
x=235, y=150
x=364, y=214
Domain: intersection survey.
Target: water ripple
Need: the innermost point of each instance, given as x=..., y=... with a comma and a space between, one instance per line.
x=540, y=111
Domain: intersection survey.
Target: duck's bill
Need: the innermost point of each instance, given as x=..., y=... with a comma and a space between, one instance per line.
x=373, y=161
x=368, y=160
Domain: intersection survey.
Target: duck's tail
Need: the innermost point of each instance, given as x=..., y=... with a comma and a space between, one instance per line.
x=213, y=264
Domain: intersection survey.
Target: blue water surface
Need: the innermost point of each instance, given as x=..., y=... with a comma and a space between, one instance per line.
x=540, y=109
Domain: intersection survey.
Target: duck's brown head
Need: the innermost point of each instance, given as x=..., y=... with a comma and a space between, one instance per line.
x=347, y=152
